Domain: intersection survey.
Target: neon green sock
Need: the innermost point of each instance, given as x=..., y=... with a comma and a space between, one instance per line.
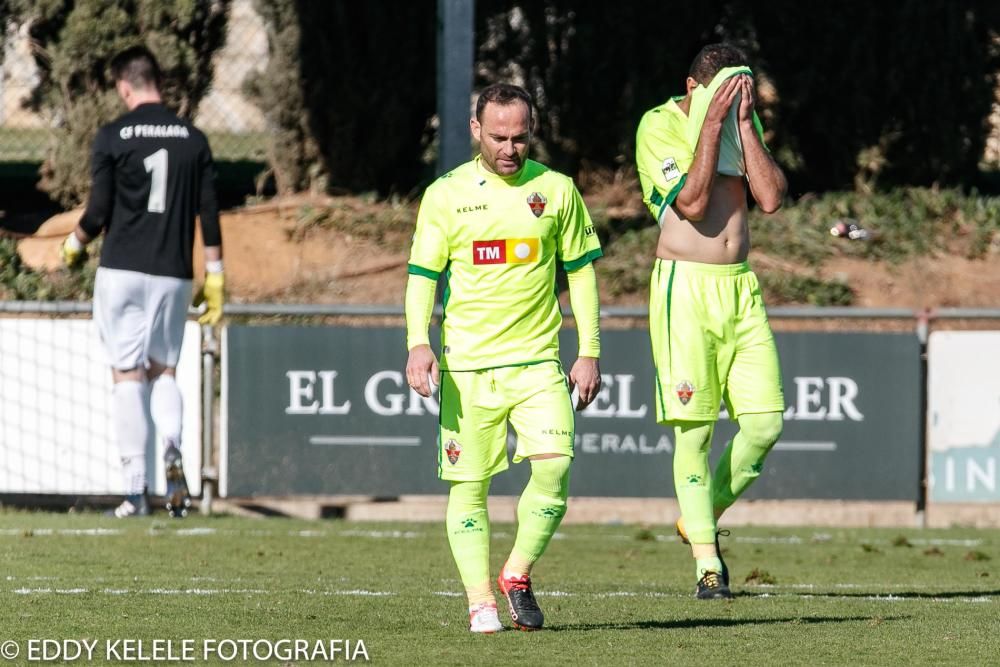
x=743, y=459
x=468, y=525
x=539, y=512
x=693, y=479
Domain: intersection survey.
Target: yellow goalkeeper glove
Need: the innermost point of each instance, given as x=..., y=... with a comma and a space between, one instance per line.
x=72, y=252
x=212, y=294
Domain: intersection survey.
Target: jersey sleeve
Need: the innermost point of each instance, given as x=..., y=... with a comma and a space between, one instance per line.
x=429, y=252
x=578, y=244
x=102, y=186
x=760, y=131
x=208, y=205
x=663, y=158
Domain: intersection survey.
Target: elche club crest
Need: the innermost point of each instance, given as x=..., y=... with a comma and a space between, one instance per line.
x=537, y=202
x=685, y=390
x=453, y=450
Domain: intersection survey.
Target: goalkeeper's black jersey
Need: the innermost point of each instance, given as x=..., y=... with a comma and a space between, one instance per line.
x=151, y=172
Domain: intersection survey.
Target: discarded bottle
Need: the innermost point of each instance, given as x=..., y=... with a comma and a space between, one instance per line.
x=849, y=230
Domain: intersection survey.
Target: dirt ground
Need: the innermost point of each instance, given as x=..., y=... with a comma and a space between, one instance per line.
x=270, y=257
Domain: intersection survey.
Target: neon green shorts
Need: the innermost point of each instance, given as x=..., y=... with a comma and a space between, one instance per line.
x=475, y=409
x=711, y=342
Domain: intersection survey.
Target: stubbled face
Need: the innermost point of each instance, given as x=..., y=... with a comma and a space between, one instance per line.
x=503, y=133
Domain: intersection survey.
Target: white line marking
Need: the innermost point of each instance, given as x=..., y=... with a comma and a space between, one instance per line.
x=201, y=591
x=196, y=531
x=356, y=440
x=391, y=534
x=357, y=591
x=948, y=542
x=773, y=592
x=799, y=446
x=72, y=532
x=792, y=539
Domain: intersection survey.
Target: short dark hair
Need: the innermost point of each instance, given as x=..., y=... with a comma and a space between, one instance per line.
x=502, y=94
x=712, y=59
x=137, y=65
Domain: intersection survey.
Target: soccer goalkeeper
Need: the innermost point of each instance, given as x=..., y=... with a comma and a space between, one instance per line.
x=152, y=172
x=495, y=228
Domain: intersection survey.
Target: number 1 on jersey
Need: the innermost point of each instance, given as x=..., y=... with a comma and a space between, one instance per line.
x=157, y=165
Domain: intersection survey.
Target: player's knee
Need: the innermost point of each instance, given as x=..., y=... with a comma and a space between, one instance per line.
x=762, y=430
x=134, y=374
x=469, y=495
x=694, y=437
x=552, y=474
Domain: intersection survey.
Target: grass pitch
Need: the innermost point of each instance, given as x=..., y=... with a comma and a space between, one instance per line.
x=611, y=594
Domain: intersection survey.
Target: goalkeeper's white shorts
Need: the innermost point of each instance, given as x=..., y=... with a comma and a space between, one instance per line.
x=140, y=317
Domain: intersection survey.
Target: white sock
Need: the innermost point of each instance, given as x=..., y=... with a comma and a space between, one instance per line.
x=134, y=472
x=132, y=428
x=168, y=410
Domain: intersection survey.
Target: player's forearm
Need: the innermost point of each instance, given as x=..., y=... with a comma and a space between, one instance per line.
x=211, y=232
x=692, y=200
x=585, y=302
x=767, y=182
x=95, y=216
x=419, y=306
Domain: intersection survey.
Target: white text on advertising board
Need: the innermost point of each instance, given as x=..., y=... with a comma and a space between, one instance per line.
x=386, y=394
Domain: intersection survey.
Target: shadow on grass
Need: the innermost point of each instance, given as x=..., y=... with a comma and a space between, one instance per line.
x=922, y=595
x=691, y=623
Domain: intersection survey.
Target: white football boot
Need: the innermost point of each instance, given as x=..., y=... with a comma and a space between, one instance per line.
x=483, y=619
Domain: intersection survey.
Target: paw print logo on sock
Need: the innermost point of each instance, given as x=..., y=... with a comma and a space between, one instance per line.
x=548, y=512
x=452, y=450
x=685, y=390
x=694, y=479
x=756, y=468
x=469, y=522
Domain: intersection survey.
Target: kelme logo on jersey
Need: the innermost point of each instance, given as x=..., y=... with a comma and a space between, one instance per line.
x=453, y=450
x=537, y=202
x=505, y=251
x=685, y=390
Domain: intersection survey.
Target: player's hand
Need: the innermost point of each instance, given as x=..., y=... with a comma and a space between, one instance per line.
x=422, y=370
x=73, y=252
x=212, y=294
x=585, y=376
x=748, y=98
x=723, y=99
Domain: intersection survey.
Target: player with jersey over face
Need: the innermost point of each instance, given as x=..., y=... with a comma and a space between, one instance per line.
x=152, y=173
x=495, y=230
x=696, y=156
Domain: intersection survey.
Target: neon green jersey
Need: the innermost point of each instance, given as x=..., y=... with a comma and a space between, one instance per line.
x=667, y=138
x=497, y=240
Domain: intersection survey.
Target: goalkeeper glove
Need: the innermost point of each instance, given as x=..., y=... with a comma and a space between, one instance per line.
x=72, y=252
x=212, y=294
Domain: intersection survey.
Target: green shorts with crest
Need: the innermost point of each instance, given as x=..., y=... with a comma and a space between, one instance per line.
x=711, y=342
x=475, y=409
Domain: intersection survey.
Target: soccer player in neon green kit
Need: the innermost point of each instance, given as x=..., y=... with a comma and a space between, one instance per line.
x=496, y=227
x=696, y=155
